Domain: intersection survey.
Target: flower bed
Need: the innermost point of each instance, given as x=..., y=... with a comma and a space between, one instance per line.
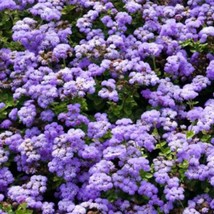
x=106, y=107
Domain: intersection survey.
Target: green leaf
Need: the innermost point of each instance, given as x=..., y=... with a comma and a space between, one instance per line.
x=111, y=195
x=160, y=145
x=68, y=9
x=166, y=151
x=82, y=102
x=184, y=164
x=192, y=103
x=206, y=138
x=145, y=175
x=7, y=98
x=155, y=133
x=190, y=134
x=195, y=46
x=59, y=107
x=7, y=208
x=56, y=182
x=3, y=114
x=22, y=209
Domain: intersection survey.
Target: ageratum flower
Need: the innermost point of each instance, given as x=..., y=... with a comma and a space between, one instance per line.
x=210, y=70
x=9, y=4
x=67, y=141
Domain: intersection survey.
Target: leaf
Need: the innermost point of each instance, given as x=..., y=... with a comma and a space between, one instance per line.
x=194, y=46
x=22, y=209
x=186, y=43
x=128, y=111
x=184, y=164
x=155, y=133
x=145, y=175
x=166, y=151
x=81, y=101
x=190, y=134
x=111, y=195
x=7, y=208
x=57, y=181
x=68, y=9
x=160, y=145
x=206, y=138
x=59, y=107
x=7, y=98
x=3, y=114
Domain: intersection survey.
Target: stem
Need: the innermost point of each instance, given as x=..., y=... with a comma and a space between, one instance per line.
x=64, y=63
x=181, y=203
x=154, y=62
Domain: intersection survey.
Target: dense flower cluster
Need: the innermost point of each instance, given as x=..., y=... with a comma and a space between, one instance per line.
x=107, y=106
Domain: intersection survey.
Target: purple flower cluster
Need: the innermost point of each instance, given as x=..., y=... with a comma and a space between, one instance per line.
x=82, y=61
